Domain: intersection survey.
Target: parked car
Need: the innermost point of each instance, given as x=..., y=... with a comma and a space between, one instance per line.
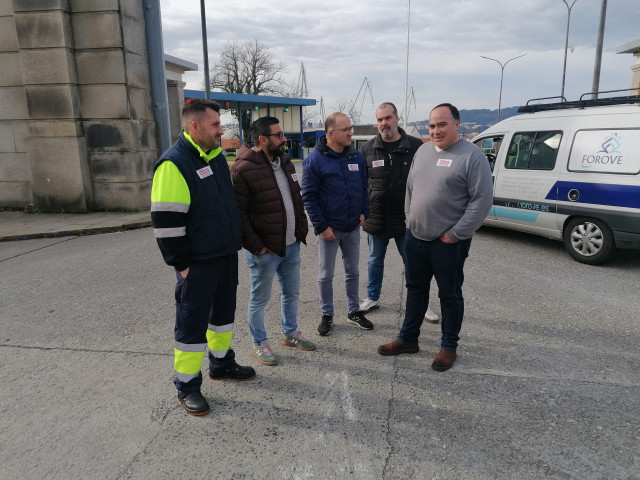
x=569, y=171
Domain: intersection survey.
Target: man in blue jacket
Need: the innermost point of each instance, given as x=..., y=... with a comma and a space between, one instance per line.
x=334, y=191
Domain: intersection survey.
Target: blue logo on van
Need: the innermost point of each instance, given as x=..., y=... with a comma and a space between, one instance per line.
x=611, y=144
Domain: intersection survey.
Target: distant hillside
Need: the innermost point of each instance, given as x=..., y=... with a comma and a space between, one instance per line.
x=475, y=121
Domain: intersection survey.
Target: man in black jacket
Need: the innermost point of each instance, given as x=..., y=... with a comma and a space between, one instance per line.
x=389, y=156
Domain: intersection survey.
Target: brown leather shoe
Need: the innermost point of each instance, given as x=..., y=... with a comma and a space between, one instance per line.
x=396, y=347
x=444, y=360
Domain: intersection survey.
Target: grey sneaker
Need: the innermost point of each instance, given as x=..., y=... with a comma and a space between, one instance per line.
x=431, y=316
x=298, y=341
x=359, y=320
x=368, y=304
x=264, y=355
x=325, y=325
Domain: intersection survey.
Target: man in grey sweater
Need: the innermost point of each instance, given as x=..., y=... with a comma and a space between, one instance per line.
x=449, y=193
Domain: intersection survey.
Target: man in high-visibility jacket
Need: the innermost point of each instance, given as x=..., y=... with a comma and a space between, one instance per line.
x=196, y=223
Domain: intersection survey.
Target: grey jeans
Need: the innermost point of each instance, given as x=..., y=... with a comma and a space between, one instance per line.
x=349, y=243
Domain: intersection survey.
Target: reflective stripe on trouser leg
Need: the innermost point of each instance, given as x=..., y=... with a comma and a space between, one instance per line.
x=187, y=360
x=219, y=339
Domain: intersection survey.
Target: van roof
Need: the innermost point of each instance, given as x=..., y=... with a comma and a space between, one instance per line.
x=595, y=101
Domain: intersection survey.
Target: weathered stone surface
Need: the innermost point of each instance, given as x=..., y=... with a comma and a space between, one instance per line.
x=6, y=9
x=15, y=194
x=39, y=5
x=8, y=35
x=104, y=101
x=122, y=195
x=133, y=9
x=13, y=103
x=96, y=30
x=42, y=29
x=134, y=35
x=51, y=101
x=46, y=66
x=10, y=72
x=100, y=66
x=140, y=99
x=14, y=167
x=97, y=5
x=59, y=172
x=137, y=70
x=55, y=128
x=120, y=135
x=12, y=136
x=115, y=167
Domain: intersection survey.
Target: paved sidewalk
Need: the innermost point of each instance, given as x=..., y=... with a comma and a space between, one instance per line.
x=22, y=226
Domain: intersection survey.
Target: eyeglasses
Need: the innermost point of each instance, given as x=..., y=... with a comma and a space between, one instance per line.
x=279, y=134
x=343, y=130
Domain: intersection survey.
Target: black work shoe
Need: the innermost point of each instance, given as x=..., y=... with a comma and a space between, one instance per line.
x=359, y=320
x=233, y=371
x=193, y=403
x=325, y=326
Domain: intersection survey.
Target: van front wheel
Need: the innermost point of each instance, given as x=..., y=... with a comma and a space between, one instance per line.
x=589, y=240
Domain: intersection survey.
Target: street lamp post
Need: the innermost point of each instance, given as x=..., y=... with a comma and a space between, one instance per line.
x=501, y=76
x=566, y=43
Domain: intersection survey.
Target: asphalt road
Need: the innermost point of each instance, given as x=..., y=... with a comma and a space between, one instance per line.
x=547, y=382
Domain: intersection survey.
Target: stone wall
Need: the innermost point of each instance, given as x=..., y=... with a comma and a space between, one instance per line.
x=76, y=124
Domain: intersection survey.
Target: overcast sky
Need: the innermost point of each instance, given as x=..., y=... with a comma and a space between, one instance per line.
x=341, y=42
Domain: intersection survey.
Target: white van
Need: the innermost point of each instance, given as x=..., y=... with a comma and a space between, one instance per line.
x=569, y=171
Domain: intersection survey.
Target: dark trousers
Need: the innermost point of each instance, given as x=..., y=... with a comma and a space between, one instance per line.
x=445, y=262
x=205, y=312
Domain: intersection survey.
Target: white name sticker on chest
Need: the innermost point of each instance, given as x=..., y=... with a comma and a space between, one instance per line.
x=204, y=172
x=378, y=163
x=294, y=177
x=353, y=167
x=443, y=162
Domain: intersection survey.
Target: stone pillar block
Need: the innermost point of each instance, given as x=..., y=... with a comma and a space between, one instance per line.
x=140, y=103
x=60, y=177
x=104, y=101
x=52, y=101
x=13, y=135
x=14, y=167
x=101, y=66
x=134, y=36
x=13, y=103
x=8, y=35
x=10, y=74
x=47, y=66
x=39, y=5
x=137, y=68
x=123, y=195
x=97, y=30
x=42, y=29
x=97, y=5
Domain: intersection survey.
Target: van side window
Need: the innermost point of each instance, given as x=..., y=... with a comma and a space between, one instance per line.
x=490, y=146
x=533, y=150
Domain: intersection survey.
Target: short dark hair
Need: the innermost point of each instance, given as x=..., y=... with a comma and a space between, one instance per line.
x=262, y=126
x=199, y=105
x=454, y=111
x=388, y=104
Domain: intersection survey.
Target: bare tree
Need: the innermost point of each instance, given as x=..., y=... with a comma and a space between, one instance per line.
x=348, y=108
x=250, y=69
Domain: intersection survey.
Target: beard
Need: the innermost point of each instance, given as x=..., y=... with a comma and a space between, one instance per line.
x=387, y=133
x=276, y=151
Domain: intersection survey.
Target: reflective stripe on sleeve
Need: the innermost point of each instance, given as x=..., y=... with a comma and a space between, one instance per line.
x=169, y=207
x=170, y=232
